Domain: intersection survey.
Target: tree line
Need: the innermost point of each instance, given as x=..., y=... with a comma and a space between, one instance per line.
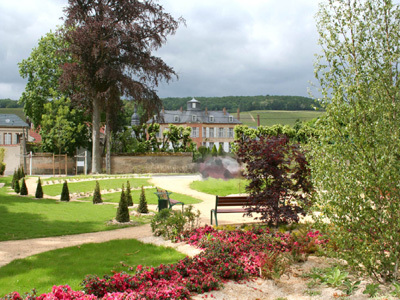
x=9, y=103
x=245, y=103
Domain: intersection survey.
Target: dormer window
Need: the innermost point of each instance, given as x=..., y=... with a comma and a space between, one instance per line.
x=230, y=119
x=211, y=118
x=194, y=118
x=176, y=119
x=194, y=105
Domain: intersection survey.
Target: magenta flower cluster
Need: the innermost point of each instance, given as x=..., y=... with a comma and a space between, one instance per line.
x=228, y=255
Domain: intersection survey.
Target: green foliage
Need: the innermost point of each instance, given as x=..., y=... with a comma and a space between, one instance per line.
x=97, y=194
x=142, y=203
x=20, y=173
x=245, y=103
x=2, y=164
x=39, y=190
x=65, y=192
x=63, y=127
x=396, y=291
x=16, y=187
x=372, y=289
x=14, y=179
x=128, y=195
x=214, y=151
x=8, y=103
x=221, y=151
x=177, y=137
x=123, y=211
x=355, y=160
x=24, y=189
x=170, y=223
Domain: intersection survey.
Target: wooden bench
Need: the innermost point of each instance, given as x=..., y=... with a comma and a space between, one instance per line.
x=164, y=201
x=229, y=201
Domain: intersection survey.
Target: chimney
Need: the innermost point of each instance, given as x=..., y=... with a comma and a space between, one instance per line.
x=238, y=114
x=206, y=111
x=224, y=111
x=181, y=109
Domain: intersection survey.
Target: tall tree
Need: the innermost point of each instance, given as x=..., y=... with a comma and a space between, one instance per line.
x=111, y=43
x=356, y=158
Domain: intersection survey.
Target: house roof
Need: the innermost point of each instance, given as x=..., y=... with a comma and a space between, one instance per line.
x=194, y=116
x=10, y=120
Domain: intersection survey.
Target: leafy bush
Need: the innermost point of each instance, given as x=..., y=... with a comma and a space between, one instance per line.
x=214, y=151
x=39, y=190
x=128, y=194
x=280, y=188
x=143, y=209
x=16, y=187
x=170, y=223
x=97, y=194
x=24, y=189
x=14, y=179
x=65, y=192
x=122, y=211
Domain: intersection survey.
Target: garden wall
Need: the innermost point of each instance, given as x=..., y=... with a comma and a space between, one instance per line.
x=152, y=163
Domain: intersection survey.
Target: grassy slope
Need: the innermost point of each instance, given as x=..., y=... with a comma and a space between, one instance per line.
x=23, y=217
x=220, y=187
x=272, y=117
x=71, y=265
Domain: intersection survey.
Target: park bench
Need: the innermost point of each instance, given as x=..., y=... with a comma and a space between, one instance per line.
x=230, y=204
x=164, y=201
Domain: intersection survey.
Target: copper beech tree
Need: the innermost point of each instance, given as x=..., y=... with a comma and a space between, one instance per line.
x=111, y=44
x=279, y=178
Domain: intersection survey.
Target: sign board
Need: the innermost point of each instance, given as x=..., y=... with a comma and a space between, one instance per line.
x=80, y=163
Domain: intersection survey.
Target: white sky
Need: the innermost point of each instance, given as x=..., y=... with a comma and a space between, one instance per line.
x=229, y=47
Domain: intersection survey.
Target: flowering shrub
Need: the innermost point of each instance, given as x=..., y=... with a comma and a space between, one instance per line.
x=227, y=255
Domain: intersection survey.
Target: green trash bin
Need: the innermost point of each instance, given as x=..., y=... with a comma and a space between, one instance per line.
x=163, y=203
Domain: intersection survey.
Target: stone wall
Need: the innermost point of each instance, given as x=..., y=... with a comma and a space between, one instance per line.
x=152, y=163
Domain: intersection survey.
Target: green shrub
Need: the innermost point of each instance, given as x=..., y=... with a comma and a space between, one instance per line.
x=39, y=190
x=65, y=192
x=170, y=223
x=2, y=164
x=97, y=194
x=214, y=151
x=128, y=194
x=143, y=209
x=14, y=179
x=16, y=187
x=21, y=173
x=221, y=151
x=122, y=211
x=24, y=189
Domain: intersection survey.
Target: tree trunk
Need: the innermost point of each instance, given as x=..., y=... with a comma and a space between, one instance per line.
x=108, y=143
x=96, y=153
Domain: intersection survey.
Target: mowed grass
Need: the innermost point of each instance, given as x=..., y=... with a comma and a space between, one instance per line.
x=88, y=186
x=151, y=197
x=272, y=117
x=71, y=265
x=23, y=217
x=95, y=177
x=220, y=187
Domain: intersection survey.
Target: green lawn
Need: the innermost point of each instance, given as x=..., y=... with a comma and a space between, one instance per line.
x=71, y=265
x=220, y=187
x=151, y=198
x=88, y=186
x=79, y=177
x=23, y=217
x=272, y=117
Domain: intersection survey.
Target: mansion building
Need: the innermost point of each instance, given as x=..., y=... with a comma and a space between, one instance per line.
x=209, y=128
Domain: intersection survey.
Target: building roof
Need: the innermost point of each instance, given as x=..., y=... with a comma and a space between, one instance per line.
x=195, y=116
x=10, y=120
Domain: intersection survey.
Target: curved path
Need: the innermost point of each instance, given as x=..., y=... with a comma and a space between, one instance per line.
x=10, y=250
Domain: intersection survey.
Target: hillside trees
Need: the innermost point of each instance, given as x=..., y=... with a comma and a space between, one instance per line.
x=356, y=158
x=111, y=44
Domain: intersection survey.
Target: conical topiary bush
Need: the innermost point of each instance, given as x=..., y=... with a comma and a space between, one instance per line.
x=128, y=194
x=97, y=194
x=16, y=187
x=65, y=192
x=14, y=179
x=122, y=211
x=39, y=190
x=214, y=151
x=143, y=209
x=24, y=189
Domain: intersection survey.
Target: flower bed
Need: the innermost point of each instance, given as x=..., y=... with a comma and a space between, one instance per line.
x=227, y=255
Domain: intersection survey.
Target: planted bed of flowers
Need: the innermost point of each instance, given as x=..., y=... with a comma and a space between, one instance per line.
x=228, y=255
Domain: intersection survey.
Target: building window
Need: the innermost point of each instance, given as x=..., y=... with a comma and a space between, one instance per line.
x=211, y=118
x=7, y=138
x=212, y=132
x=230, y=133
x=195, y=132
x=221, y=132
x=230, y=119
x=194, y=105
x=176, y=119
x=194, y=118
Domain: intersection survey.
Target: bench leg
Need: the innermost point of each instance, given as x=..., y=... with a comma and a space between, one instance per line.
x=211, y=216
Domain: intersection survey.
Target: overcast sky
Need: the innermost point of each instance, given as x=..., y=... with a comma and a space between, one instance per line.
x=229, y=47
